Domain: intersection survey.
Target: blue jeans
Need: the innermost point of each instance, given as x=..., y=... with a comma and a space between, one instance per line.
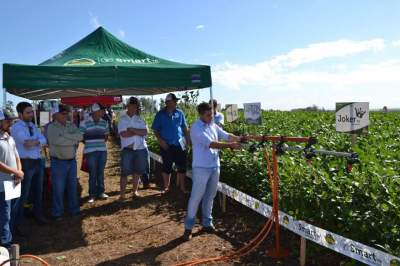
x=134, y=162
x=64, y=175
x=96, y=163
x=32, y=183
x=204, y=188
x=5, y=216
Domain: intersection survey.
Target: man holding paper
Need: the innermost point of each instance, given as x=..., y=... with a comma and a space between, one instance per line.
x=10, y=171
x=172, y=133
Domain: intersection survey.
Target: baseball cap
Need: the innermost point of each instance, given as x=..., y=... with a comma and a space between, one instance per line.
x=170, y=97
x=96, y=107
x=6, y=115
x=133, y=100
x=63, y=108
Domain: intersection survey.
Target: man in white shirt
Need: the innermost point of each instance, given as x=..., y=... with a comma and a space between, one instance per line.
x=206, y=136
x=29, y=141
x=134, y=155
x=10, y=169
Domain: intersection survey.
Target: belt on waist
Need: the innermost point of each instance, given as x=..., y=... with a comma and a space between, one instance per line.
x=130, y=146
x=31, y=159
x=55, y=158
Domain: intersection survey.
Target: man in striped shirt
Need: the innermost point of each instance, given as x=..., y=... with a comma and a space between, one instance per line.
x=95, y=133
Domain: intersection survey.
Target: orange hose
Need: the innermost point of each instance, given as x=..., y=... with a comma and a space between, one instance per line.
x=249, y=247
x=27, y=256
x=239, y=253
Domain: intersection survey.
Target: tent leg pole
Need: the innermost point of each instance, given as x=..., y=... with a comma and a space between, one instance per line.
x=212, y=102
x=4, y=98
x=34, y=113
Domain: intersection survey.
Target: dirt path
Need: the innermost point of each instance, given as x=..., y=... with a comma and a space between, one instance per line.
x=142, y=231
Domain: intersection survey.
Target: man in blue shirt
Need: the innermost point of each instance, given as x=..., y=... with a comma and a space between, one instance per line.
x=206, y=136
x=172, y=133
x=29, y=141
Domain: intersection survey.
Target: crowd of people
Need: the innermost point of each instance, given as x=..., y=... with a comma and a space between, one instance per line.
x=21, y=144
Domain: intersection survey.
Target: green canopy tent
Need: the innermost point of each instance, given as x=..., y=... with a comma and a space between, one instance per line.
x=101, y=64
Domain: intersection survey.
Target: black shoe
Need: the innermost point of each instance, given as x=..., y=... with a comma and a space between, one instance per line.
x=209, y=229
x=187, y=235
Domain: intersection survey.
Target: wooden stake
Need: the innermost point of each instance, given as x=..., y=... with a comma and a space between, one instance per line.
x=353, y=140
x=14, y=255
x=222, y=202
x=303, y=245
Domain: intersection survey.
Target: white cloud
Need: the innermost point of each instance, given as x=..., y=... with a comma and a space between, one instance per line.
x=319, y=51
x=94, y=21
x=282, y=71
x=200, y=27
x=121, y=33
x=396, y=43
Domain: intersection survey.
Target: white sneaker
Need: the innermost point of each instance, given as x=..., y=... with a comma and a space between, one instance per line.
x=91, y=200
x=103, y=196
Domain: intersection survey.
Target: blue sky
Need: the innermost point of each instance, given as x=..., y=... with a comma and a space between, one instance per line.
x=285, y=54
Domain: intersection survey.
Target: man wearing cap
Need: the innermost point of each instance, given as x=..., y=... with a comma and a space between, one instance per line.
x=95, y=133
x=63, y=137
x=29, y=141
x=172, y=133
x=10, y=169
x=134, y=155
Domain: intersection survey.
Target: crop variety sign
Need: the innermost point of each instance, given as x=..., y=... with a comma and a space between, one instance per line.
x=232, y=113
x=252, y=113
x=44, y=118
x=352, y=117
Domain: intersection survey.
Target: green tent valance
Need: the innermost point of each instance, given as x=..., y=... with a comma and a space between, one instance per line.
x=101, y=64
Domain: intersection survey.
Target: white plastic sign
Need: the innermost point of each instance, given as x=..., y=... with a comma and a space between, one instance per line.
x=44, y=118
x=352, y=117
x=232, y=112
x=252, y=113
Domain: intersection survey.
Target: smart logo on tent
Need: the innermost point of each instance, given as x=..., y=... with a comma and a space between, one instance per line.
x=80, y=62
